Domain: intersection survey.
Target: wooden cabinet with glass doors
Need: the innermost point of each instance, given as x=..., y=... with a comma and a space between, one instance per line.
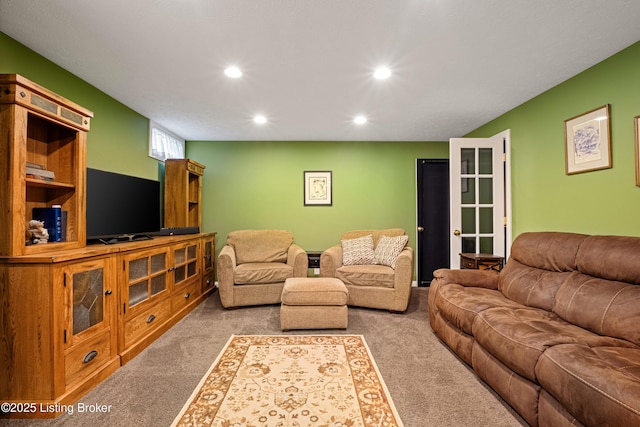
x=57, y=330
x=156, y=285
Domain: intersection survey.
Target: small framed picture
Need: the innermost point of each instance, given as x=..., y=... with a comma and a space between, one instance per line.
x=588, y=141
x=636, y=120
x=317, y=188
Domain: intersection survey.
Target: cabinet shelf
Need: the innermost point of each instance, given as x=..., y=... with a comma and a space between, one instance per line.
x=35, y=182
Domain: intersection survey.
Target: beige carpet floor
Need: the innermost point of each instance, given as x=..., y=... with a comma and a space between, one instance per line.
x=429, y=385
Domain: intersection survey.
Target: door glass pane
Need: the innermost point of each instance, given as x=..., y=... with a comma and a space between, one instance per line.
x=208, y=257
x=469, y=245
x=191, y=252
x=158, y=284
x=88, y=309
x=180, y=274
x=486, y=245
x=158, y=263
x=138, y=269
x=191, y=269
x=486, y=161
x=486, y=220
x=468, y=160
x=138, y=293
x=468, y=191
x=179, y=256
x=468, y=220
x=485, y=191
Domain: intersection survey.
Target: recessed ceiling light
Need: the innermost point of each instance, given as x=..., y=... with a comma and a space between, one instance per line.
x=360, y=120
x=260, y=119
x=233, y=72
x=382, y=73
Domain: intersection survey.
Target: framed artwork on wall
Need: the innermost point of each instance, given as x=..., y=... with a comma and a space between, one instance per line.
x=636, y=121
x=588, y=141
x=317, y=188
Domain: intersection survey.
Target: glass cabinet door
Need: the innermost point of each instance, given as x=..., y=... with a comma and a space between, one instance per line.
x=87, y=291
x=146, y=276
x=185, y=263
x=208, y=254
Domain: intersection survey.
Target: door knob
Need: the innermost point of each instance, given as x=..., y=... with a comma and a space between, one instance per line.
x=456, y=232
x=420, y=229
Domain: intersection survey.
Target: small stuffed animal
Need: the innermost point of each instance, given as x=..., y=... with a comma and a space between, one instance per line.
x=37, y=233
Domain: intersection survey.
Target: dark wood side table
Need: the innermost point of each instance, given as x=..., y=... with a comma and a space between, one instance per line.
x=314, y=259
x=481, y=261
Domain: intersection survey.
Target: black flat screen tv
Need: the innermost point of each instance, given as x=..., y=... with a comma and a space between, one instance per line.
x=121, y=207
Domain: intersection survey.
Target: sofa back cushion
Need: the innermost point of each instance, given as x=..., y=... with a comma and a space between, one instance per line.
x=530, y=286
x=260, y=245
x=611, y=257
x=540, y=262
x=376, y=234
x=604, y=296
x=606, y=307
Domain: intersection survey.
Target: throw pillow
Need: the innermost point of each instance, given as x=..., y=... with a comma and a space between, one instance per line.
x=388, y=250
x=358, y=251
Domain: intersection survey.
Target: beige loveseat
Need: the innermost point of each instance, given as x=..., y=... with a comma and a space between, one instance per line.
x=254, y=264
x=556, y=333
x=385, y=285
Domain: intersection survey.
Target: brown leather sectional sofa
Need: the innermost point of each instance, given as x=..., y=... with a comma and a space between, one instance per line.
x=557, y=332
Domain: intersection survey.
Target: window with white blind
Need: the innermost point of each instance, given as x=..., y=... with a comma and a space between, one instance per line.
x=164, y=144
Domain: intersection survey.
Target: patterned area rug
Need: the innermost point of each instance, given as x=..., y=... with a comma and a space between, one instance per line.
x=291, y=380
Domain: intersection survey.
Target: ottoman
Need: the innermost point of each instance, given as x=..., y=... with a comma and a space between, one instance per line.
x=314, y=303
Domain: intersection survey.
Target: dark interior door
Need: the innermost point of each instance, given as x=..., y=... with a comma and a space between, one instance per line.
x=433, y=218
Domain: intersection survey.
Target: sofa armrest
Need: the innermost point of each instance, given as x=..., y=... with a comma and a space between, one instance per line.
x=404, y=268
x=298, y=259
x=403, y=278
x=226, y=272
x=330, y=261
x=470, y=278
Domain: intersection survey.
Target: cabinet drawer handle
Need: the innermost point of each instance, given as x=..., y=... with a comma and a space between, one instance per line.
x=108, y=292
x=187, y=295
x=89, y=356
x=151, y=318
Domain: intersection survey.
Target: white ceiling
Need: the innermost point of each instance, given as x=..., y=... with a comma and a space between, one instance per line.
x=308, y=64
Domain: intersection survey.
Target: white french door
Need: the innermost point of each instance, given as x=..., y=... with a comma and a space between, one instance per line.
x=480, y=202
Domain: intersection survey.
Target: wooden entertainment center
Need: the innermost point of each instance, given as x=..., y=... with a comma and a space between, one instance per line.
x=72, y=313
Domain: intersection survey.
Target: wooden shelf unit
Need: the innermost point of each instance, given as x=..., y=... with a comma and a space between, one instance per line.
x=40, y=127
x=183, y=193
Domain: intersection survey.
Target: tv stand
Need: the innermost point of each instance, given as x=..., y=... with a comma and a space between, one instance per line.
x=139, y=290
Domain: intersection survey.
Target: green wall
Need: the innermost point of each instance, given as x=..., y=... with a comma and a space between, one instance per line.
x=260, y=185
x=544, y=197
x=118, y=140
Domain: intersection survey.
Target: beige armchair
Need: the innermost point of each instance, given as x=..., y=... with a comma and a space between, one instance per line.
x=375, y=265
x=254, y=264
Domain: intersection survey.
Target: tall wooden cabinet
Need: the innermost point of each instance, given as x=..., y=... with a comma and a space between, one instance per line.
x=71, y=314
x=183, y=193
x=45, y=131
